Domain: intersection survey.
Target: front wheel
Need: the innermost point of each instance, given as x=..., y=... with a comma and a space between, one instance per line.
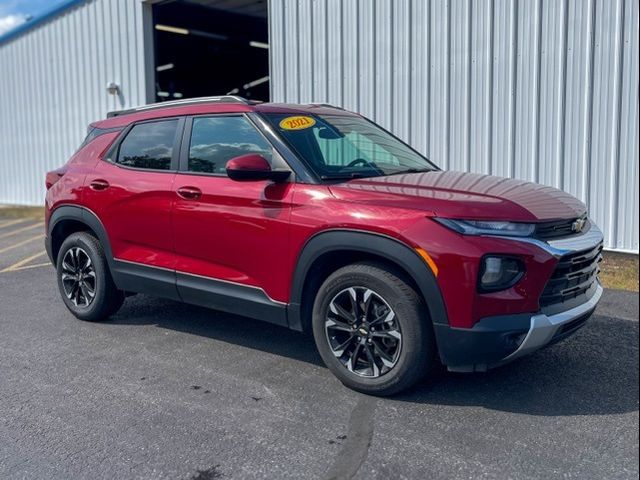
x=84, y=279
x=372, y=329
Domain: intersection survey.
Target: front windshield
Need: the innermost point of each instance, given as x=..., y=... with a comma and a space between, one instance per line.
x=338, y=147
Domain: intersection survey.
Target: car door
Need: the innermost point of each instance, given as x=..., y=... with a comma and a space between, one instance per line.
x=231, y=238
x=130, y=191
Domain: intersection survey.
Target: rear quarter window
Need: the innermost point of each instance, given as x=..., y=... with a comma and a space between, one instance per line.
x=95, y=132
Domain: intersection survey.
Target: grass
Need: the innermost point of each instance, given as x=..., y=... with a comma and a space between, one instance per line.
x=619, y=270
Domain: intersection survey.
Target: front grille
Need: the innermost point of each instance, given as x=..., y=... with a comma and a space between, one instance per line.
x=556, y=229
x=573, y=276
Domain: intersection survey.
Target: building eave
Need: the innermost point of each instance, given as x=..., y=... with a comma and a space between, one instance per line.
x=38, y=20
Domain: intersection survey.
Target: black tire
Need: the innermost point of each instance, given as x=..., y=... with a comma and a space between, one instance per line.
x=415, y=356
x=107, y=298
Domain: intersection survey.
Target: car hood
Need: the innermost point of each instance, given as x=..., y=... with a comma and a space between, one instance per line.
x=464, y=195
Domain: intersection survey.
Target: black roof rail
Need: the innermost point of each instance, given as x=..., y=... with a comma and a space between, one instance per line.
x=185, y=102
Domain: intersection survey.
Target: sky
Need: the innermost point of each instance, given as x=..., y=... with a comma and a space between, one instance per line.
x=16, y=12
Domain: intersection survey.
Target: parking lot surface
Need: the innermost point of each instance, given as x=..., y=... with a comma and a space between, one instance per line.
x=166, y=390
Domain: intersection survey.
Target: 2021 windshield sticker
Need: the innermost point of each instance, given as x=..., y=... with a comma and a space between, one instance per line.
x=297, y=122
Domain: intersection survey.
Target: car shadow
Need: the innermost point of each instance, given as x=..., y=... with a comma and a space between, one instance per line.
x=595, y=372
x=225, y=327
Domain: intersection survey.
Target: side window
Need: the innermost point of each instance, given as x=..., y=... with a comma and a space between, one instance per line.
x=149, y=145
x=216, y=140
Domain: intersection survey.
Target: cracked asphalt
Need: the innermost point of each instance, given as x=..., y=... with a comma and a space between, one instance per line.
x=166, y=390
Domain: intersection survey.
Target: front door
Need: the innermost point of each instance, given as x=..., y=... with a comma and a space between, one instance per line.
x=231, y=238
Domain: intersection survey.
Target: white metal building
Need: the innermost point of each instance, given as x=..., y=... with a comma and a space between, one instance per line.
x=536, y=89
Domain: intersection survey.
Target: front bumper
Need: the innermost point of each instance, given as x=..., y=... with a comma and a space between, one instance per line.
x=545, y=330
x=498, y=340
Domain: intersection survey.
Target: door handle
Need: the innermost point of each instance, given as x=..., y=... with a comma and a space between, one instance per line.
x=99, y=184
x=189, y=193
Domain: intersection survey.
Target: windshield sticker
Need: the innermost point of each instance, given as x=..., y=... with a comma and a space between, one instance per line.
x=299, y=122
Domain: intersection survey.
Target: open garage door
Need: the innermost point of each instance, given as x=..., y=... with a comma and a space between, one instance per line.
x=211, y=47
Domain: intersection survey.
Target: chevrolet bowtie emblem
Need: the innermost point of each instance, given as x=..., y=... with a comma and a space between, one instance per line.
x=578, y=225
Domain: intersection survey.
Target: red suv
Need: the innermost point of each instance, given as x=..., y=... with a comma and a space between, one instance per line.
x=315, y=218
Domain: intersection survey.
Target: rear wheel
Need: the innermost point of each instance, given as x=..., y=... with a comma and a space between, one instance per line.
x=84, y=279
x=372, y=329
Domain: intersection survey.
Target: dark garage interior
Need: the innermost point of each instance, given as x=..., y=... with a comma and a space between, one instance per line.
x=211, y=47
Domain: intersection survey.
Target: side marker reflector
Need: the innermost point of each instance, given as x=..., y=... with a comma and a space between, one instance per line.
x=428, y=260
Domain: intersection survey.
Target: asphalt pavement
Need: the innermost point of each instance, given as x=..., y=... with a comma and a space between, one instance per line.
x=166, y=390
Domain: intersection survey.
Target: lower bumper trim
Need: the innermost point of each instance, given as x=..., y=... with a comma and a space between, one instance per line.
x=544, y=328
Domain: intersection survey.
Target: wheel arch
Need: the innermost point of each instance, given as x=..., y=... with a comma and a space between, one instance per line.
x=328, y=250
x=68, y=219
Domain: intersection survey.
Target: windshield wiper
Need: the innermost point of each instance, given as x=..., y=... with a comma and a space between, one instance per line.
x=347, y=176
x=352, y=175
x=412, y=170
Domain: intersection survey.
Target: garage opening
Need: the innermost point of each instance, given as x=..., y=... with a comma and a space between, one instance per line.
x=211, y=47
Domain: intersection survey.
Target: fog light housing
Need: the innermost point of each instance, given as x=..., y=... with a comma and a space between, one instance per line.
x=499, y=273
x=514, y=340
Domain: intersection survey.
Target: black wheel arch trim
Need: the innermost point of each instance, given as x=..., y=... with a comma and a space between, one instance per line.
x=82, y=215
x=378, y=244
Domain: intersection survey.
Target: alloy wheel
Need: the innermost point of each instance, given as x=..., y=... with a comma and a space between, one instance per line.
x=363, y=332
x=78, y=277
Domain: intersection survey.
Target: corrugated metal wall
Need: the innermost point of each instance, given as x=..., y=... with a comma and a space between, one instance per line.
x=543, y=90
x=53, y=81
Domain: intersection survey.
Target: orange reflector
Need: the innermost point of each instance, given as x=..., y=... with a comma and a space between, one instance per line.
x=429, y=261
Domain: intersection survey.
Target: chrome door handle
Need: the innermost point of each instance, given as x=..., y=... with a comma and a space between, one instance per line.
x=99, y=184
x=189, y=193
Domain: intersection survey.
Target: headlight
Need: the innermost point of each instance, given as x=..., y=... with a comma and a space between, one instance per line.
x=484, y=227
x=499, y=273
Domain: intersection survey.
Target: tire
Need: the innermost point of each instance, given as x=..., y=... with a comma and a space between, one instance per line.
x=82, y=264
x=406, y=360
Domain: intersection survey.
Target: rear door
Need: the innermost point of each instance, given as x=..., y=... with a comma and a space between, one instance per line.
x=231, y=238
x=131, y=193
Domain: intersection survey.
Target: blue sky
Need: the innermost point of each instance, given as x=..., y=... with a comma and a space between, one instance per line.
x=15, y=12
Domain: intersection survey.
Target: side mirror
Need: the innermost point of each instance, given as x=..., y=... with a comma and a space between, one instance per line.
x=251, y=167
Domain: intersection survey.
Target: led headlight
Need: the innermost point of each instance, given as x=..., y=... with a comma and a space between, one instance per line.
x=499, y=273
x=485, y=227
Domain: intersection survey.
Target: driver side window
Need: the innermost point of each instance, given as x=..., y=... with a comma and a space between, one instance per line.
x=216, y=140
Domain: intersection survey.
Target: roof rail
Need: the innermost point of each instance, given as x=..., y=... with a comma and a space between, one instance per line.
x=180, y=103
